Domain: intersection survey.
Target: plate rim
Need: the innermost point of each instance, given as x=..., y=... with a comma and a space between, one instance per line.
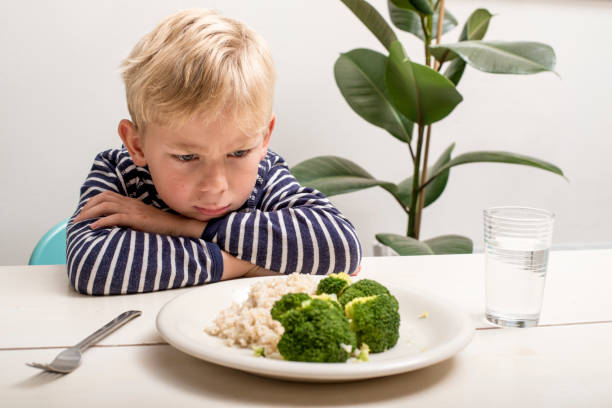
x=323, y=372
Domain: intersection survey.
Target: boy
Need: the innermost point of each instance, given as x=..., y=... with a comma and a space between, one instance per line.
x=195, y=196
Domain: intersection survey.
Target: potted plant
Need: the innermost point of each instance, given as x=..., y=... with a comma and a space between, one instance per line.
x=405, y=98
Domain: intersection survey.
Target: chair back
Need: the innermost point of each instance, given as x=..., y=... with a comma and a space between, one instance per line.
x=51, y=249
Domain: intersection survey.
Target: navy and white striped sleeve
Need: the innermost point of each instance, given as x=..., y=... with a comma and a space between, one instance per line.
x=108, y=261
x=293, y=229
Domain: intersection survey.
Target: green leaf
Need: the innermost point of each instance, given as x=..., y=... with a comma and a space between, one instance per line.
x=476, y=25
x=499, y=157
x=404, y=192
x=334, y=175
x=423, y=95
x=450, y=244
x=445, y=244
x=474, y=28
x=419, y=6
x=372, y=20
x=501, y=57
x=424, y=6
x=409, y=20
x=404, y=245
x=404, y=4
x=433, y=189
x=360, y=76
x=437, y=186
x=454, y=71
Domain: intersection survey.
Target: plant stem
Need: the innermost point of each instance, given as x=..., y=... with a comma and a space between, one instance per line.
x=422, y=187
x=426, y=26
x=429, y=22
x=406, y=209
x=421, y=192
x=416, y=199
x=437, y=66
x=411, y=151
x=412, y=216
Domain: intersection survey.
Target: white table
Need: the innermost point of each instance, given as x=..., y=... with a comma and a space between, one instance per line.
x=565, y=362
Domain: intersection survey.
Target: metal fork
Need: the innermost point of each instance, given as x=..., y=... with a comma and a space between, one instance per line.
x=69, y=359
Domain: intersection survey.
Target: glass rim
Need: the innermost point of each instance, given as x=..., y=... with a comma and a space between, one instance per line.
x=546, y=215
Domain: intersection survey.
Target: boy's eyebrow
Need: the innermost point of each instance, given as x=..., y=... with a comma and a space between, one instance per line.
x=246, y=143
x=180, y=145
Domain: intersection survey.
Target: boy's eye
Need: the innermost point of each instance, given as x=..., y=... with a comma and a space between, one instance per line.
x=185, y=157
x=239, y=153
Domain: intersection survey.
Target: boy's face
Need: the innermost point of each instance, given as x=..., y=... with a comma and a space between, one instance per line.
x=202, y=171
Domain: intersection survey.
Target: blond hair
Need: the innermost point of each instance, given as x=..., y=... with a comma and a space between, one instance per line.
x=197, y=62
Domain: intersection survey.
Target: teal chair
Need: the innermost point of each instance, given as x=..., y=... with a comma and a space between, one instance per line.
x=51, y=249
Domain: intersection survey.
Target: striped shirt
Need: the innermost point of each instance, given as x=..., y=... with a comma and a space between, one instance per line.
x=283, y=227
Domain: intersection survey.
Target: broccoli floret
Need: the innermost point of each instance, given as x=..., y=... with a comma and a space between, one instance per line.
x=331, y=299
x=295, y=300
x=316, y=331
x=375, y=321
x=361, y=288
x=335, y=283
x=363, y=353
x=288, y=302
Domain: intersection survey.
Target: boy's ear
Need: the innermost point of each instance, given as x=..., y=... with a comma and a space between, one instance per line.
x=267, y=136
x=133, y=141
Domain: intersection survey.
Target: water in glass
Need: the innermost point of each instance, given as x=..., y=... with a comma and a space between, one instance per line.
x=516, y=271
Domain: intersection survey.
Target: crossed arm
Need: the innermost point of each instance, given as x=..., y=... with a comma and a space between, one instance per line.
x=117, y=244
x=110, y=209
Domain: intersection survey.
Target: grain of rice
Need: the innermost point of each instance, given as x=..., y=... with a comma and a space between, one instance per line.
x=249, y=325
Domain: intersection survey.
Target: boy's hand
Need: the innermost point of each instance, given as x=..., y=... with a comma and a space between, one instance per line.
x=116, y=210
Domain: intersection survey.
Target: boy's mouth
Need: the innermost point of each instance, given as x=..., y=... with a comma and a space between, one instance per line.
x=212, y=211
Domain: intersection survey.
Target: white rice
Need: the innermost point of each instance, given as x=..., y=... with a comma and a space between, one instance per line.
x=249, y=325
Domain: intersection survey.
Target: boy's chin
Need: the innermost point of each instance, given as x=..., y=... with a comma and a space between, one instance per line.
x=208, y=217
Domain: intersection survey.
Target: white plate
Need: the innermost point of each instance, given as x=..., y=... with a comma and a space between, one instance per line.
x=422, y=342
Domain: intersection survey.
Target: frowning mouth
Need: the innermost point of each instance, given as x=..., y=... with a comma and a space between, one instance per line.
x=212, y=211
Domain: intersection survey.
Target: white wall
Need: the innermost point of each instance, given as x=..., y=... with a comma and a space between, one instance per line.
x=62, y=99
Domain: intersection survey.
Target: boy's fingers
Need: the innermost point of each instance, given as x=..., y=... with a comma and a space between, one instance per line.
x=106, y=196
x=114, y=220
x=103, y=208
x=92, y=202
x=95, y=211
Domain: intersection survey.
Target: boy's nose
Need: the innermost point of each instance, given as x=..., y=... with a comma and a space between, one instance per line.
x=214, y=180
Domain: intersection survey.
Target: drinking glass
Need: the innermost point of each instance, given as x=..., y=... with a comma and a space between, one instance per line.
x=517, y=241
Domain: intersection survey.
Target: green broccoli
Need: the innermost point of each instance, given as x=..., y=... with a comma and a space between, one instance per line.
x=375, y=321
x=317, y=331
x=335, y=283
x=331, y=299
x=361, y=288
x=362, y=353
x=288, y=302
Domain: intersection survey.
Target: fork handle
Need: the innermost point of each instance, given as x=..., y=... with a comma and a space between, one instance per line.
x=108, y=328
